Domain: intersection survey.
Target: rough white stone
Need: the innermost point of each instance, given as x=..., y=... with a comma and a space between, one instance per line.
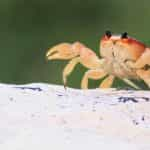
x=48, y=117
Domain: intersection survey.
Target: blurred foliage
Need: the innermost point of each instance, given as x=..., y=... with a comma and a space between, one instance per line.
x=29, y=27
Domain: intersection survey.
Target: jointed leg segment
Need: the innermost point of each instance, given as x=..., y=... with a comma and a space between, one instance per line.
x=94, y=74
x=143, y=60
x=69, y=68
x=107, y=82
x=129, y=82
x=145, y=75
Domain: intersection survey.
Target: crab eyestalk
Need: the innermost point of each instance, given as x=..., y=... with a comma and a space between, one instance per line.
x=108, y=33
x=124, y=35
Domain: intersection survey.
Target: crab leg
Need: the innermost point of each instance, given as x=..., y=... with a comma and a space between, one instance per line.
x=94, y=74
x=107, y=82
x=143, y=60
x=145, y=75
x=129, y=82
x=69, y=68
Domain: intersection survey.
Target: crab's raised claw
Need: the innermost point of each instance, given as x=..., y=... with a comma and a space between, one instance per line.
x=61, y=51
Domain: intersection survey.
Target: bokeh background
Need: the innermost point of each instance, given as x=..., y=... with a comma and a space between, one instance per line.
x=29, y=27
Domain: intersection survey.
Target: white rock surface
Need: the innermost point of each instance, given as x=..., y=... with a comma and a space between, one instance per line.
x=48, y=117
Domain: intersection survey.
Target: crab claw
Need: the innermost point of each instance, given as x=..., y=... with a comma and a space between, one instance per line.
x=61, y=51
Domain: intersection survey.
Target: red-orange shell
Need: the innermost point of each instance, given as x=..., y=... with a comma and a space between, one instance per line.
x=135, y=47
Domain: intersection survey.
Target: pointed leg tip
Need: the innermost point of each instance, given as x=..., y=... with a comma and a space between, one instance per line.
x=65, y=87
x=46, y=59
x=65, y=84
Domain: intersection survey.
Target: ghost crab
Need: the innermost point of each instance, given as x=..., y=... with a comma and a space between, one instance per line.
x=121, y=56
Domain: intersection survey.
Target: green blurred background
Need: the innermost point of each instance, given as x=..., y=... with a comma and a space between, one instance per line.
x=29, y=27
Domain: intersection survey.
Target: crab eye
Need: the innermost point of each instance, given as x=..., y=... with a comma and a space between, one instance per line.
x=108, y=33
x=124, y=35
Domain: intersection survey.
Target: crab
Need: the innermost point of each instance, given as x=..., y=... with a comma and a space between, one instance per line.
x=121, y=56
